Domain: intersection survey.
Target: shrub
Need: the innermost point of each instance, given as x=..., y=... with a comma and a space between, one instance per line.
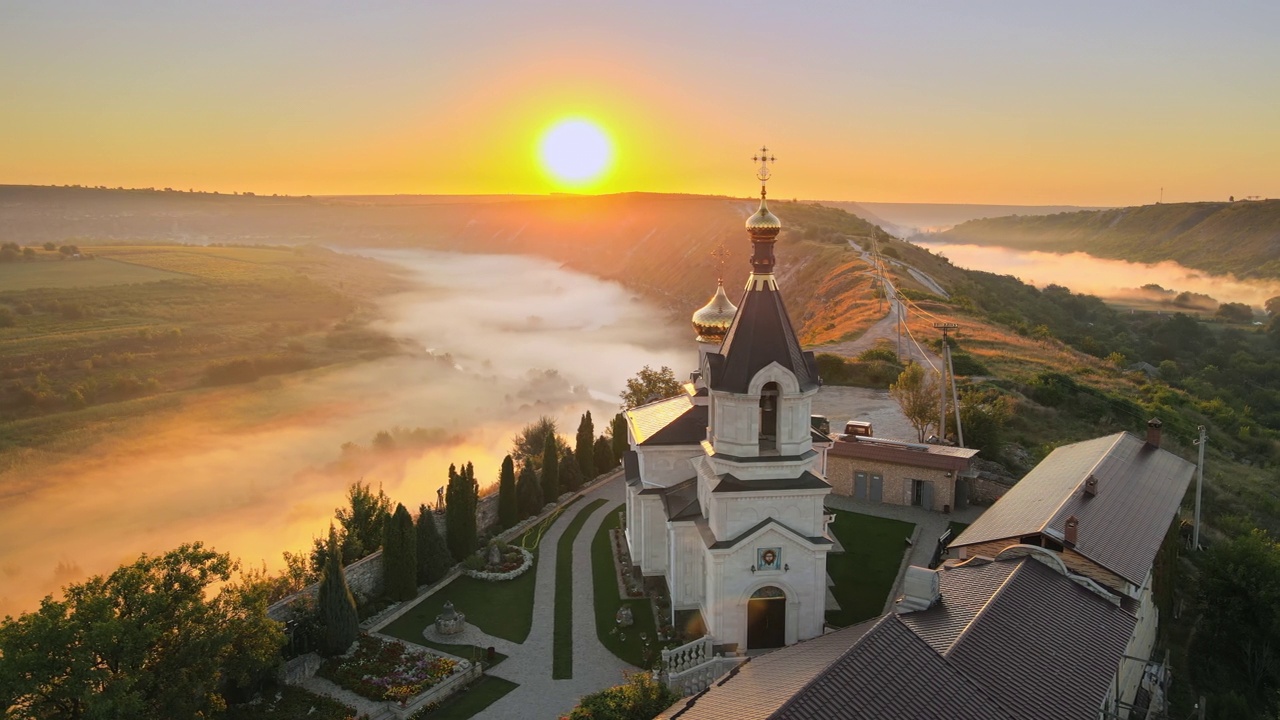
x=641, y=697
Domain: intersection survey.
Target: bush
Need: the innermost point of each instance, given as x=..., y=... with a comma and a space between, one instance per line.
x=6, y=317
x=836, y=370
x=641, y=697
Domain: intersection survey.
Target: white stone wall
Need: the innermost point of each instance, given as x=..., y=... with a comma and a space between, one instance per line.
x=685, y=566
x=731, y=514
x=653, y=525
x=731, y=584
x=667, y=465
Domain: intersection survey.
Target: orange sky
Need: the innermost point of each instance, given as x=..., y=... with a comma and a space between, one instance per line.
x=1002, y=102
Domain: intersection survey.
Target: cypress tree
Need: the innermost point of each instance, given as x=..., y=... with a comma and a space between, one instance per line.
x=618, y=435
x=433, y=556
x=570, y=475
x=508, y=504
x=461, y=497
x=337, y=606
x=400, y=557
x=584, y=451
x=605, y=461
x=550, y=470
x=529, y=491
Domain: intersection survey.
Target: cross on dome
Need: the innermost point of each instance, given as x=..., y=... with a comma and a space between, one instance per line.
x=721, y=253
x=763, y=173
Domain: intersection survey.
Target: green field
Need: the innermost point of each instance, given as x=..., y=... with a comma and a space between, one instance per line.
x=472, y=700
x=865, y=571
x=76, y=274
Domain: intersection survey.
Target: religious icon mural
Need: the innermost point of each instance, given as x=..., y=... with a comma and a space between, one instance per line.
x=769, y=558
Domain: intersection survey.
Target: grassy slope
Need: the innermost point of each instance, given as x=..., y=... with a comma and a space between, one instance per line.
x=1241, y=238
x=562, y=637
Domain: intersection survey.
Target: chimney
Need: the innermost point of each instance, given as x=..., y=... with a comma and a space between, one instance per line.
x=1091, y=485
x=1072, y=531
x=1153, y=432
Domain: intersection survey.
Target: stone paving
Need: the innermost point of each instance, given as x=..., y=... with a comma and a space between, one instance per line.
x=929, y=527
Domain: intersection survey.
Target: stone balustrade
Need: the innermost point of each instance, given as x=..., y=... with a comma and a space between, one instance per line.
x=687, y=656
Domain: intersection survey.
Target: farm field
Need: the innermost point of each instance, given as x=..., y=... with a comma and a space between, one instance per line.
x=77, y=273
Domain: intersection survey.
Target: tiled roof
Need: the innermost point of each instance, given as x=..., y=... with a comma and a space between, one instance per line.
x=674, y=421
x=806, y=481
x=889, y=672
x=762, y=684
x=911, y=454
x=1120, y=528
x=1041, y=620
x=761, y=334
x=1009, y=639
x=681, y=500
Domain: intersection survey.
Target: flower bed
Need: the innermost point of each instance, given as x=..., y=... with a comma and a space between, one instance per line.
x=516, y=561
x=381, y=670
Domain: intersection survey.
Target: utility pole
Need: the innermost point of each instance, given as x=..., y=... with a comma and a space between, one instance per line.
x=942, y=390
x=1195, y=535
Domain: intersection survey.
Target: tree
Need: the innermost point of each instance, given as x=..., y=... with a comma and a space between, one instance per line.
x=550, y=475
x=337, y=606
x=1234, y=312
x=508, y=503
x=152, y=639
x=984, y=415
x=618, y=434
x=571, y=478
x=917, y=395
x=433, y=555
x=641, y=697
x=605, y=461
x=460, y=498
x=362, y=521
x=50, y=246
x=400, y=557
x=527, y=446
x=649, y=385
x=1237, y=643
x=583, y=450
x=529, y=492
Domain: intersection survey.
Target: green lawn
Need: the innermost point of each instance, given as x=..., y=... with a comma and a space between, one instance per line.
x=468, y=703
x=501, y=609
x=865, y=571
x=625, y=644
x=562, y=638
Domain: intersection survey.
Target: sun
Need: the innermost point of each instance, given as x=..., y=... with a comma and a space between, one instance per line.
x=575, y=152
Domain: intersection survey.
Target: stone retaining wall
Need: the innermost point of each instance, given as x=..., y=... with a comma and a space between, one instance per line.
x=364, y=577
x=986, y=488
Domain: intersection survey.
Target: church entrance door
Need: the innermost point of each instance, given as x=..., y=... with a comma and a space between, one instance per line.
x=767, y=619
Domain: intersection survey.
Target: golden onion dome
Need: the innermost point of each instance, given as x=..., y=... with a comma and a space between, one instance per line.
x=712, y=320
x=763, y=224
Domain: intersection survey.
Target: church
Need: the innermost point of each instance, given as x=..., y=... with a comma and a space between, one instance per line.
x=724, y=486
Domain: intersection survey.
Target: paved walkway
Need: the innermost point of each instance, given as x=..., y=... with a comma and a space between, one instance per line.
x=929, y=527
x=529, y=663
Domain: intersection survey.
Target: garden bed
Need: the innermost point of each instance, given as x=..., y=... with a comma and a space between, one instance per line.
x=389, y=670
x=515, y=561
x=637, y=644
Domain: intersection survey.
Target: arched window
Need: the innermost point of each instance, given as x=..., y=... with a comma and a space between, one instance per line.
x=769, y=417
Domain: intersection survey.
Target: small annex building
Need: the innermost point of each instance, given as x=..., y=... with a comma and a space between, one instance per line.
x=894, y=472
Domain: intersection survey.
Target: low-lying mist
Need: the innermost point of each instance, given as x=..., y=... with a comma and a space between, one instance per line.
x=254, y=470
x=1105, y=278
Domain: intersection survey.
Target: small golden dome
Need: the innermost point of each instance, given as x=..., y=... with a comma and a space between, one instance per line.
x=712, y=321
x=763, y=224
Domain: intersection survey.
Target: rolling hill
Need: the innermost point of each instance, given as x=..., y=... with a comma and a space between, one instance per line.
x=1242, y=238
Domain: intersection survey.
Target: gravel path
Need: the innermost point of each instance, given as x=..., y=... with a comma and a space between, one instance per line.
x=529, y=664
x=885, y=329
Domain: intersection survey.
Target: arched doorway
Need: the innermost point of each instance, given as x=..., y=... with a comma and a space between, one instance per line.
x=767, y=618
x=769, y=417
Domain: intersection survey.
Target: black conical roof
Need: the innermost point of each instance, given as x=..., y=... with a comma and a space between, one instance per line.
x=761, y=334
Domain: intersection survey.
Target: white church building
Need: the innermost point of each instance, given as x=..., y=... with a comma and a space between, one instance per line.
x=724, y=486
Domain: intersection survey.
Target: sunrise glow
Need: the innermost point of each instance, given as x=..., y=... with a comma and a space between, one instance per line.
x=576, y=153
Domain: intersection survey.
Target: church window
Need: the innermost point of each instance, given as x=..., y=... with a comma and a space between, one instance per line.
x=769, y=417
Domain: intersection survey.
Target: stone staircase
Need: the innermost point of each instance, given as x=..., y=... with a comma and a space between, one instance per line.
x=694, y=666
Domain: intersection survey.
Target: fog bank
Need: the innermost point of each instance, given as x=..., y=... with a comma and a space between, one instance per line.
x=494, y=342
x=1085, y=273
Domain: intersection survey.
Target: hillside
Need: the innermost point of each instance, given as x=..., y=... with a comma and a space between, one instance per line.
x=1242, y=238
x=907, y=219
